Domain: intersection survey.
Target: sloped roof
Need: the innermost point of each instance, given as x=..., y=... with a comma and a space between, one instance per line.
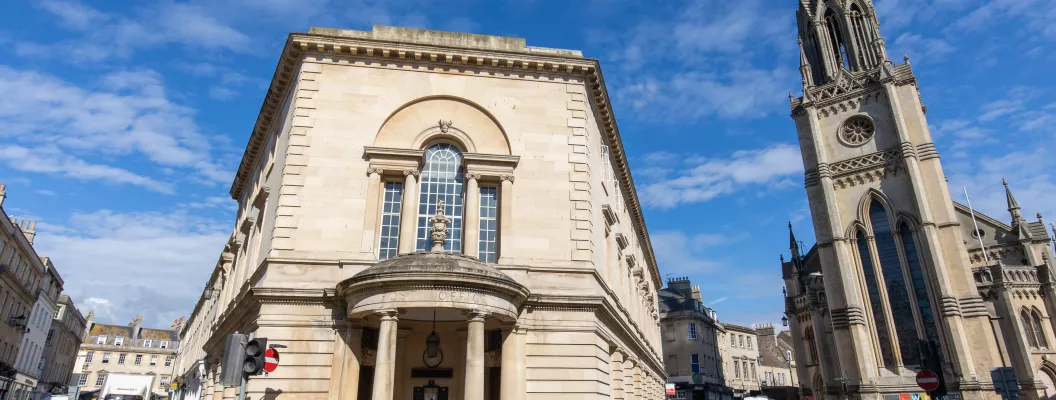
x=157, y=334
x=110, y=330
x=1037, y=230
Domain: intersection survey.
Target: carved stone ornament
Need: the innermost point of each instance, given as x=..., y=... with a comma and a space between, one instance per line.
x=444, y=126
x=857, y=130
x=438, y=231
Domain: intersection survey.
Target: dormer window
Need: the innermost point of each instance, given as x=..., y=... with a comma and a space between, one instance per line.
x=164, y=344
x=100, y=340
x=148, y=342
x=119, y=341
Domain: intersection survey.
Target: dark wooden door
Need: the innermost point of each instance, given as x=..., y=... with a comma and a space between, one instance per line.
x=366, y=382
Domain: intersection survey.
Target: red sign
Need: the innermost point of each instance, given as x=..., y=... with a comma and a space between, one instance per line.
x=670, y=389
x=927, y=380
x=271, y=360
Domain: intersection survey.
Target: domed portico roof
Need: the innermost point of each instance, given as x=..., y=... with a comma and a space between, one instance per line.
x=434, y=279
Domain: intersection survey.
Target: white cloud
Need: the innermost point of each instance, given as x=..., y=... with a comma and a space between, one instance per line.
x=45, y=192
x=999, y=108
x=222, y=93
x=920, y=47
x=129, y=115
x=691, y=96
x=123, y=264
x=161, y=23
x=73, y=15
x=776, y=165
x=49, y=160
x=719, y=300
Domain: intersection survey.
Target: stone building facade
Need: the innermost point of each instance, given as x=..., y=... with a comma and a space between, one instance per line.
x=30, y=362
x=740, y=355
x=777, y=363
x=544, y=284
x=691, y=334
x=21, y=274
x=898, y=261
x=127, y=349
x=61, y=346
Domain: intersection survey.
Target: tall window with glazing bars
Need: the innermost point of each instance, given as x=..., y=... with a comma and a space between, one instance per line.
x=443, y=178
x=389, y=243
x=896, y=287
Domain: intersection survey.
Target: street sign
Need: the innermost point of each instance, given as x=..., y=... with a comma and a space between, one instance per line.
x=669, y=388
x=271, y=360
x=927, y=380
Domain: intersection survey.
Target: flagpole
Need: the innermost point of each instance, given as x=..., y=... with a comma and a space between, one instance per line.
x=976, y=223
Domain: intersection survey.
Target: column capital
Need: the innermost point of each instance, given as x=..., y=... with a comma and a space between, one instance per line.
x=475, y=315
x=506, y=178
x=409, y=172
x=473, y=176
x=374, y=171
x=390, y=314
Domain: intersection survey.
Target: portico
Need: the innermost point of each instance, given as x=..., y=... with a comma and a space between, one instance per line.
x=439, y=305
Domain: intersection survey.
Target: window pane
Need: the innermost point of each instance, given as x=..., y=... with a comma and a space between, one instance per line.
x=895, y=282
x=920, y=288
x=489, y=203
x=388, y=245
x=874, y=300
x=442, y=179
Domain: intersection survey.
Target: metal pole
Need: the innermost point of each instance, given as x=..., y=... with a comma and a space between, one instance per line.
x=242, y=387
x=976, y=223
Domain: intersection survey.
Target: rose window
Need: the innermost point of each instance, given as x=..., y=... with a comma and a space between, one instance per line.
x=857, y=130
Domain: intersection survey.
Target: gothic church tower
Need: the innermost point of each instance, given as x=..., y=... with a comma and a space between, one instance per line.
x=890, y=266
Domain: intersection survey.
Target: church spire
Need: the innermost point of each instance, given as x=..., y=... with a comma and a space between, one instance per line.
x=1013, y=206
x=804, y=66
x=793, y=245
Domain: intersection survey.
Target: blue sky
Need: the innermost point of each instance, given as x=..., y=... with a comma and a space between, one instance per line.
x=121, y=126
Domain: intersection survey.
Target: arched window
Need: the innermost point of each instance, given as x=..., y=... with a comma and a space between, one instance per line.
x=861, y=35
x=442, y=179
x=1039, y=330
x=920, y=287
x=895, y=282
x=839, y=50
x=812, y=357
x=1028, y=329
x=872, y=287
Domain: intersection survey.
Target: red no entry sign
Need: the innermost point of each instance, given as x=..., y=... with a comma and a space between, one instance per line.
x=271, y=360
x=927, y=380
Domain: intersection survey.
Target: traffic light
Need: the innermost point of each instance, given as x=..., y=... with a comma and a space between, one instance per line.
x=254, y=359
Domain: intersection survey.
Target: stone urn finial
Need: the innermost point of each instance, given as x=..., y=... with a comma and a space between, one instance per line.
x=439, y=224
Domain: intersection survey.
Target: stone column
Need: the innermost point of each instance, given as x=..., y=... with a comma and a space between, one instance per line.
x=505, y=215
x=617, y=375
x=512, y=364
x=409, y=212
x=371, y=216
x=337, y=365
x=471, y=224
x=385, y=361
x=474, y=387
x=353, y=355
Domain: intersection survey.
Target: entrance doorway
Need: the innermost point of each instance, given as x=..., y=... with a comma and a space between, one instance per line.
x=430, y=392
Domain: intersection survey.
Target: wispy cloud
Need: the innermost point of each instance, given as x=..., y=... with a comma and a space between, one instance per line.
x=773, y=166
x=91, y=249
x=52, y=124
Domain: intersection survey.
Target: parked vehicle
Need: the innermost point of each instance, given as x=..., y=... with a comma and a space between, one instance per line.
x=127, y=387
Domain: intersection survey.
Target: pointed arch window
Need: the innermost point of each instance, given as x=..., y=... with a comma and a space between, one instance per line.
x=442, y=179
x=920, y=287
x=895, y=283
x=873, y=290
x=861, y=35
x=839, y=50
x=1026, y=320
x=1039, y=329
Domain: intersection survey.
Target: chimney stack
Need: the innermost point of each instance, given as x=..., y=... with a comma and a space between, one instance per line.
x=29, y=228
x=696, y=293
x=3, y=194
